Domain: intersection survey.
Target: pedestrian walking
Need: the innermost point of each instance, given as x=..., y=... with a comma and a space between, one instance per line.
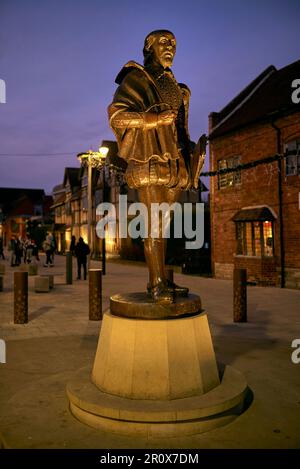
x=48, y=248
x=82, y=250
x=73, y=245
x=1, y=249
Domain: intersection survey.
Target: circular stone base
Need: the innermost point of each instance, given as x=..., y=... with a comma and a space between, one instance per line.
x=176, y=417
x=140, y=305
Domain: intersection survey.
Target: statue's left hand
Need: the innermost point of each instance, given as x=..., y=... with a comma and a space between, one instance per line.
x=198, y=158
x=202, y=142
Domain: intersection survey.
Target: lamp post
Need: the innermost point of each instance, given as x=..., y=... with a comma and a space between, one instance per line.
x=104, y=151
x=94, y=159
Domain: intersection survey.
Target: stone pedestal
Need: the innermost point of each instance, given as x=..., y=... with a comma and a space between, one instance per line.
x=141, y=306
x=42, y=284
x=156, y=376
x=32, y=269
x=51, y=279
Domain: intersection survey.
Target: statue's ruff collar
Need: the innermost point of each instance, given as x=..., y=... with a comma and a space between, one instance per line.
x=155, y=70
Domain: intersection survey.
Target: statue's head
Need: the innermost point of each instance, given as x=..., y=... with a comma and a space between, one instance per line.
x=160, y=46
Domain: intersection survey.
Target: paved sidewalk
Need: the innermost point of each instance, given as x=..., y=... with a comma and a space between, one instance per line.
x=59, y=339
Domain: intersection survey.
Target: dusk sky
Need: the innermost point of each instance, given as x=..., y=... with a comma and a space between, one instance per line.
x=59, y=60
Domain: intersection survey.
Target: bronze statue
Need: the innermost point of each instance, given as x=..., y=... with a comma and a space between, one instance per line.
x=149, y=115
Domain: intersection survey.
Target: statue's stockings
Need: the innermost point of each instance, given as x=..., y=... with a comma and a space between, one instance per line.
x=155, y=247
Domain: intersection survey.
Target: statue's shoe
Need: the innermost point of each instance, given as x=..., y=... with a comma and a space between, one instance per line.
x=161, y=294
x=178, y=291
x=172, y=287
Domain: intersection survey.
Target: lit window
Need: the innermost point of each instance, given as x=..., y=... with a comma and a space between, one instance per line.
x=255, y=238
x=229, y=179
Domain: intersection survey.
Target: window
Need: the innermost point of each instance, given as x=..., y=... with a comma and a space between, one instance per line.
x=292, y=161
x=98, y=197
x=84, y=203
x=77, y=216
x=38, y=210
x=68, y=208
x=255, y=238
x=14, y=226
x=229, y=179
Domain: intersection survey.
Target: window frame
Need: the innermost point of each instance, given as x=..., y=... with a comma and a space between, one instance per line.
x=229, y=179
x=242, y=242
x=292, y=157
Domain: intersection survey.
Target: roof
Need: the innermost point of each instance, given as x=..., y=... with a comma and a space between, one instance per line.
x=60, y=200
x=58, y=188
x=73, y=175
x=254, y=214
x=10, y=195
x=265, y=98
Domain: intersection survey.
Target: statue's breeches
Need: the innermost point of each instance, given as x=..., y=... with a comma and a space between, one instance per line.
x=171, y=174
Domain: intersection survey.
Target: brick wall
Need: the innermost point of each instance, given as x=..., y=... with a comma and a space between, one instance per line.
x=224, y=271
x=260, y=270
x=259, y=186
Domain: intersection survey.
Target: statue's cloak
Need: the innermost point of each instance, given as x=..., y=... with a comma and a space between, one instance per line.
x=137, y=92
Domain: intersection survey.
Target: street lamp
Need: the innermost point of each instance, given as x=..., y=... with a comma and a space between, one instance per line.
x=95, y=159
x=103, y=150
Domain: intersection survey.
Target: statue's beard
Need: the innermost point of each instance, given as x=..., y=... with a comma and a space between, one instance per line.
x=163, y=62
x=167, y=63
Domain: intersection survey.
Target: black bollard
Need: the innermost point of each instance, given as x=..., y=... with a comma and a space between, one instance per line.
x=69, y=268
x=20, y=297
x=103, y=257
x=240, y=295
x=95, y=294
x=170, y=275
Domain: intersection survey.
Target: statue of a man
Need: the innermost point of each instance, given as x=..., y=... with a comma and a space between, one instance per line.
x=149, y=116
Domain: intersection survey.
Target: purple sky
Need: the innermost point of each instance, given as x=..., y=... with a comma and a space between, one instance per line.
x=59, y=59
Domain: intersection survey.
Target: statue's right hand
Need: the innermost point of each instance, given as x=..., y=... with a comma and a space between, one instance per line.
x=166, y=118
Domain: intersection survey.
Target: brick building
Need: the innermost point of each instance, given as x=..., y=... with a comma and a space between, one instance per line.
x=255, y=211
x=17, y=206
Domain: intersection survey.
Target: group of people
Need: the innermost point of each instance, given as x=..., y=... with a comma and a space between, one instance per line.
x=25, y=248
x=1, y=249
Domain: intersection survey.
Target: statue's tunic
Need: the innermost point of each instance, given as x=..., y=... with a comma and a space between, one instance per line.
x=158, y=155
